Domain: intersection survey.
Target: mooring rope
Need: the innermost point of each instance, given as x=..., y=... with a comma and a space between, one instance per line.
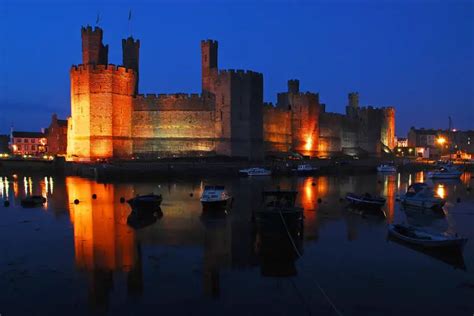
x=328, y=299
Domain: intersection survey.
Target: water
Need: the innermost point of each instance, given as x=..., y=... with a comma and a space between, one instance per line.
x=81, y=259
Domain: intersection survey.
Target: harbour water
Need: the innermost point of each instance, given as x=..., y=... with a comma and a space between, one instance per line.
x=78, y=259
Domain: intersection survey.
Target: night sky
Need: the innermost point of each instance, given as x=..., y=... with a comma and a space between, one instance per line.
x=414, y=55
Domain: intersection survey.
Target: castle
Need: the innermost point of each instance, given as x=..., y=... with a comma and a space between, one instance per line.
x=109, y=119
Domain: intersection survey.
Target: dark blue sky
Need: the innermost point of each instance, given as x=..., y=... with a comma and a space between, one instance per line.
x=414, y=55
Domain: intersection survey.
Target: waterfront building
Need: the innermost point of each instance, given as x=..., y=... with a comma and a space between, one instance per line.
x=57, y=136
x=28, y=143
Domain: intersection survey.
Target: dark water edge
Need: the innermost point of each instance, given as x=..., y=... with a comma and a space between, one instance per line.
x=84, y=259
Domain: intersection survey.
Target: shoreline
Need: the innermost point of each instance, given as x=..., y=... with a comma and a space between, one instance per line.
x=145, y=170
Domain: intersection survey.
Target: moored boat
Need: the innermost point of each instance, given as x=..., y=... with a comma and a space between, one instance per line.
x=445, y=172
x=387, y=168
x=365, y=200
x=305, y=169
x=149, y=201
x=254, y=172
x=278, y=211
x=420, y=237
x=215, y=197
x=420, y=195
x=33, y=200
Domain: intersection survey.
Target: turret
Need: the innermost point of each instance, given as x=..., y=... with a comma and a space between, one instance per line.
x=293, y=86
x=130, y=56
x=353, y=99
x=208, y=64
x=93, y=51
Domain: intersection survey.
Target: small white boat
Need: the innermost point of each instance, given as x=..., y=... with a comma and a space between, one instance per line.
x=305, y=169
x=386, y=168
x=215, y=197
x=445, y=172
x=420, y=237
x=253, y=172
x=422, y=196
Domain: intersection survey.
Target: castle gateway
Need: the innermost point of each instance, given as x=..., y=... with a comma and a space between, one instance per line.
x=109, y=119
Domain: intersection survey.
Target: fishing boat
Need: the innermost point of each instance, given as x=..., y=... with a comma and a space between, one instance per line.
x=305, y=169
x=215, y=197
x=420, y=237
x=278, y=211
x=33, y=200
x=365, y=200
x=420, y=195
x=146, y=202
x=445, y=172
x=255, y=172
x=387, y=168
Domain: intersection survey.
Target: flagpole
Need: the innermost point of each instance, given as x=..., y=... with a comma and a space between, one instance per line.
x=130, y=22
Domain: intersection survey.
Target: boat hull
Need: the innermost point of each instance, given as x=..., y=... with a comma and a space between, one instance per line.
x=447, y=243
x=423, y=204
x=219, y=205
x=144, y=203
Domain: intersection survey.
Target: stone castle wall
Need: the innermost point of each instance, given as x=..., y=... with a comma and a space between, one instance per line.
x=109, y=119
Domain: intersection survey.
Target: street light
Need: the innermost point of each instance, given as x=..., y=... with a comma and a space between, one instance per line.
x=441, y=140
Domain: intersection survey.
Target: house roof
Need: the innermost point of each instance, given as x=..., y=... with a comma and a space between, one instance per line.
x=28, y=134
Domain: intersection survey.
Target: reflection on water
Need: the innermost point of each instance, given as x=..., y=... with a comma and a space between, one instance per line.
x=115, y=249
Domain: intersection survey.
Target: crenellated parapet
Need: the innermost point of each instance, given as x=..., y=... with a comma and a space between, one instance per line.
x=110, y=68
x=172, y=102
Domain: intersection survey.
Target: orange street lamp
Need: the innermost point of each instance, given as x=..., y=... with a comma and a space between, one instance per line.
x=441, y=140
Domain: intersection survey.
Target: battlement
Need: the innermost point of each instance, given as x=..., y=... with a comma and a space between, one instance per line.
x=163, y=96
x=301, y=94
x=240, y=73
x=209, y=41
x=268, y=105
x=131, y=41
x=171, y=102
x=89, y=30
x=377, y=109
x=103, y=68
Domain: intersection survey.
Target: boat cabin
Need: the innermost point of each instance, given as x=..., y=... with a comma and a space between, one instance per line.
x=279, y=198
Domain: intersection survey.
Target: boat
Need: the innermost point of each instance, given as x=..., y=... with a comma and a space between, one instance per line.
x=387, y=168
x=278, y=211
x=146, y=202
x=445, y=172
x=365, y=200
x=420, y=195
x=305, y=169
x=420, y=237
x=253, y=172
x=33, y=200
x=215, y=197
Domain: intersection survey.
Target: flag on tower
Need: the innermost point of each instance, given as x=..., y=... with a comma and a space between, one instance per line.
x=98, y=18
x=130, y=14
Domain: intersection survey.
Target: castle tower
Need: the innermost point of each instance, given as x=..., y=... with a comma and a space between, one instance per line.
x=101, y=105
x=293, y=86
x=208, y=64
x=130, y=56
x=93, y=51
x=353, y=99
x=352, y=107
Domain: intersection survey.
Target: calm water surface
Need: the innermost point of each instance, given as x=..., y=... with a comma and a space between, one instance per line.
x=81, y=259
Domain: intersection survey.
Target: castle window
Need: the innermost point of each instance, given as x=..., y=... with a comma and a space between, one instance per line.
x=205, y=58
x=223, y=99
x=221, y=115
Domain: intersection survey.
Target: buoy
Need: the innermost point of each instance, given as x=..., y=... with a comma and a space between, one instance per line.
x=319, y=200
x=6, y=203
x=94, y=196
x=122, y=200
x=191, y=194
x=458, y=200
x=76, y=201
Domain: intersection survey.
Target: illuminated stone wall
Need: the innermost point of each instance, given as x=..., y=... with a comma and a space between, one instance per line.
x=276, y=129
x=101, y=107
x=167, y=125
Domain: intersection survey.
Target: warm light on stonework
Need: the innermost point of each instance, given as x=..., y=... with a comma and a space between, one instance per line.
x=309, y=143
